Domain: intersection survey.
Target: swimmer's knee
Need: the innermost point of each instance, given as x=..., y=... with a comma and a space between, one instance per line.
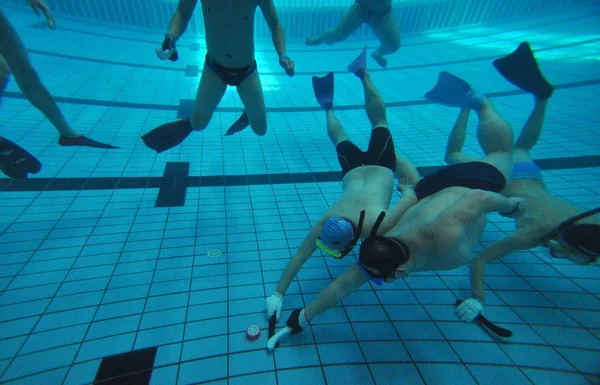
x=260, y=127
x=199, y=123
x=392, y=45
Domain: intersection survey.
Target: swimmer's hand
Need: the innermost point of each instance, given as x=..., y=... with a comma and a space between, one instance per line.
x=39, y=5
x=274, y=304
x=469, y=309
x=519, y=209
x=406, y=188
x=288, y=65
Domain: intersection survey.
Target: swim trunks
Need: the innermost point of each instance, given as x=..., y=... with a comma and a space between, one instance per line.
x=374, y=12
x=230, y=76
x=381, y=152
x=526, y=170
x=473, y=175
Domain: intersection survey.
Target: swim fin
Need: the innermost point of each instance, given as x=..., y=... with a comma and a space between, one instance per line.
x=359, y=66
x=15, y=161
x=521, y=69
x=323, y=87
x=168, y=135
x=454, y=92
x=83, y=141
x=239, y=124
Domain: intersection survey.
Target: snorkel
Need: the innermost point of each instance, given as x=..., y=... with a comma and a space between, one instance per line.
x=556, y=246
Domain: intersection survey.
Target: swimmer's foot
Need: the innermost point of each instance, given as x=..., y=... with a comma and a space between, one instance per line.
x=239, y=125
x=323, y=87
x=15, y=161
x=312, y=40
x=167, y=136
x=521, y=69
x=359, y=66
x=454, y=92
x=379, y=59
x=82, y=141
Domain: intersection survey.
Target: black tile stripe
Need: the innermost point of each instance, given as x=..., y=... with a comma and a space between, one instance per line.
x=176, y=176
x=173, y=185
x=131, y=368
x=185, y=106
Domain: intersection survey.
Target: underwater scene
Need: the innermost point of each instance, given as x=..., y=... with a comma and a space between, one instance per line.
x=299, y=192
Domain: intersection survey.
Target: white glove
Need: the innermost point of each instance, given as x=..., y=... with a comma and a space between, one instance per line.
x=273, y=305
x=469, y=309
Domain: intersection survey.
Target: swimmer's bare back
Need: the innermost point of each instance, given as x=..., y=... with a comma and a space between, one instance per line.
x=229, y=29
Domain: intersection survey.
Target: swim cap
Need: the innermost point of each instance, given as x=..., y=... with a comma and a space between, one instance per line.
x=337, y=233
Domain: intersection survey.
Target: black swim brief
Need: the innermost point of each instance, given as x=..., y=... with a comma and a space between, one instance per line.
x=473, y=175
x=381, y=152
x=230, y=76
x=374, y=12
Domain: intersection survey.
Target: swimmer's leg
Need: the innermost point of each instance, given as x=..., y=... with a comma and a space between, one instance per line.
x=374, y=104
x=352, y=19
x=13, y=51
x=387, y=30
x=495, y=136
x=209, y=95
x=251, y=94
x=169, y=135
x=335, y=130
x=456, y=140
x=531, y=132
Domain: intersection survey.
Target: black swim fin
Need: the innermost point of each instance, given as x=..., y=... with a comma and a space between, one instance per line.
x=83, y=141
x=323, y=87
x=15, y=161
x=168, y=135
x=239, y=124
x=521, y=69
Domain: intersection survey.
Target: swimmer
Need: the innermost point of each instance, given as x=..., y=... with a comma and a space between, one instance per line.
x=550, y=222
x=14, y=59
x=378, y=14
x=441, y=230
x=229, y=27
x=368, y=183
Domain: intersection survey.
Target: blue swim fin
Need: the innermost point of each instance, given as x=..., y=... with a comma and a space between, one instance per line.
x=359, y=66
x=454, y=92
x=323, y=87
x=239, y=124
x=521, y=69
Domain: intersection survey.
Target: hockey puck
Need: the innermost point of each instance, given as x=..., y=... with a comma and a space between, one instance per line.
x=253, y=332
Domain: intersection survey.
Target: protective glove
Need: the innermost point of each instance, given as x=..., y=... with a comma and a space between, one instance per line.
x=469, y=309
x=274, y=304
x=168, y=50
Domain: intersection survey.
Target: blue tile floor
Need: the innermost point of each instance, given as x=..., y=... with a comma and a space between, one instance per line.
x=96, y=272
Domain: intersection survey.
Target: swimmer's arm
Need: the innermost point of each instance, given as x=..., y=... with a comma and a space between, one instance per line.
x=305, y=251
x=270, y=13
x=393, y=215
x=181, y=17
x=493, y=252
x=406, y=172
x=339, y=289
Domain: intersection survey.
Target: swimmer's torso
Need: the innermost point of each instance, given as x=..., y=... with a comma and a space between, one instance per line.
x=229, y=29
x=545, y=211
x=366, y=188
x=438, y=245
x=375, y=5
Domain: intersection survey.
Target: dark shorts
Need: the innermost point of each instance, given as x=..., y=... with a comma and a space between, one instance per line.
x=374, y=13
x=473, y=175
x=380, y=153
x=230, y=76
